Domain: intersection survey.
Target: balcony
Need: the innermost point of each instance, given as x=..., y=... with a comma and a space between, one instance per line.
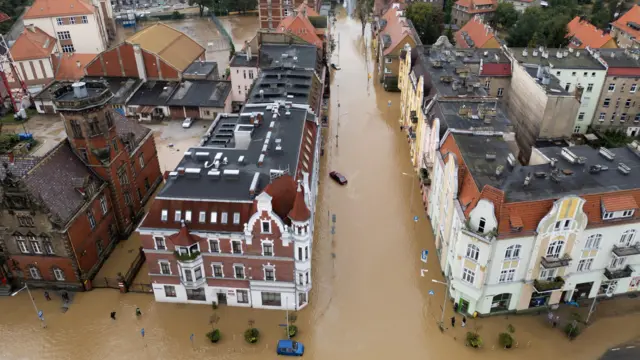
x=548, y=262
x=188, y=257
x=486, y=237
x=613, y=274
x=542, y=286
x=626, y=250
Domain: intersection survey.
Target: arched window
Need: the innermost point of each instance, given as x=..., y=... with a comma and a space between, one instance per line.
x=555, y=248
x=627, y=238
x=481, y=224
x=512, y=252
x=593, y=242
x=472, y=252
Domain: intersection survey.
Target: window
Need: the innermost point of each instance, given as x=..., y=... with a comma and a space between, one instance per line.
x=217, y=270
x=224, y=218
x=58, y=274
x=507, y=275
x=198, y=273
x=593, y=74
x=242, y=296
x=68, y=49
x=266, y=227
x=306, y=275
x=618, y=262
x=72, y=20
x=481, y=224
x=567, y=224
x=300, y=279
x=555, y=248
x=103, y=205
x=633, y=88
x=178, y=216
x=48, y=247
x=164, y=215
x=623, y=117
x=236, y=218
x=589, y=87
x=25, y=221
x=306, y=252
x=165, y=268
x=92, y=220
x=512, y=252
x=612, y=87
x=36, y=247
x=160, y=244
x=557, y=73
x=585, y=264
x=122, y=175
x=269, y=274
x=468, y=275
x=239, y=271
x=613, y=116
x=548, y=274
x=627, y=237
x=59, y=21
x=114, y=143
x=302, y=299
x=637, y=118
x=593, y=242
x=169, y=291
x=35, y=272
x=300, y=253
x=127, y=198
x=602, y=116
x=472, y=252
x=581, y=116
x=627, y=213
x=500, y=91
x=387, y=60
x=627, y=103
x=236, y=247
x=187, y=216
x=22, y=245
x=272, y=299
x=85, y=19
x=606, y=102
x=203, y=217
x=250, y=74
x=214, y=217
x=214, y=245
x=567, y=86
x=573, y=73
x=141, y=160
x=267, y=249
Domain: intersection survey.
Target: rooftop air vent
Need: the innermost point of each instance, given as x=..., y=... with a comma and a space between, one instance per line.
x=241, y=159
x=569, y=155
x=512, y=160
x=214, y=174
x=607, y=154
x=231, y=173
x=527, y=180
x=624, y=169
x=490, y=155
x=499, y=170
x=540, y=174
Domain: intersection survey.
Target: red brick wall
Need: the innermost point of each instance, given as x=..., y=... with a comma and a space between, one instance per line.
x=111, y=63
x=45, y=264
x=150, y=65
x=128, y=59
x=95, y=68
x=151, y=169
x=153, y=219
x=168, y=73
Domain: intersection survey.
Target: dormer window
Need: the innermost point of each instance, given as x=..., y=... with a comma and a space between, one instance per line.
x=618, y=207
x=266, y=227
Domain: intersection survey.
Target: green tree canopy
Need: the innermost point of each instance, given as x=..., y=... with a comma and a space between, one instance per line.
x=427, y=21
x=543, y=27
x=13, y=8
x=505, y=16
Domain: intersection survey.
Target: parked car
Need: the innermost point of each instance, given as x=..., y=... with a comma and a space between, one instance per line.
x=290, y=348
x=187, y=123
x=339, y=178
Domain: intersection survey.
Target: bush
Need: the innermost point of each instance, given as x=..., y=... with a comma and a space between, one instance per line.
x=505, y=340
x=251, y=335
x=293, y=330
x=214, y=336
x=8, y=141
x=572, y=331
x=473, y=339
x=214, y=305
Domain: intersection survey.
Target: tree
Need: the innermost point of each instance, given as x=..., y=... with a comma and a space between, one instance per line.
x=427, y=20
x=362, y=12
x=542, y=27
x=448, y=7
x=505, y=16
x=600, y=16
x=202, y=4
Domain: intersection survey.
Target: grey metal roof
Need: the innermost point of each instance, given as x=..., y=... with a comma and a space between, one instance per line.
x=201, y=93
x=154, y=92
x=295, y=56
x=240, y=59
x=553, y=87
x=201, y=68
x=121, y=88
x=128, y=128
x=628, y=58
x=234, y=136
x=288, y=85
x=484, y=114
x=577, y=59
x=451, y=71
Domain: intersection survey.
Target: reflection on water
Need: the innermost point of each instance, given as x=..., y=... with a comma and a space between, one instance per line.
x=368, y=301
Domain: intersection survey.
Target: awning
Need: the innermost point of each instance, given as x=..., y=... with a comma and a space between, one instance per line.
x=147, y=109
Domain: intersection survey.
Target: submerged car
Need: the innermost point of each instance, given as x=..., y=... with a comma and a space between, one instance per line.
x=290, y=348
x=187, y=123
x=339, y=178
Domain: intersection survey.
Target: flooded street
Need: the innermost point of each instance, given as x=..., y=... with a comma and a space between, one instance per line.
x=368, y=301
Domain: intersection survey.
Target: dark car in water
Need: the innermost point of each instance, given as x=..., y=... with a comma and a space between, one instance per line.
x=339, y=178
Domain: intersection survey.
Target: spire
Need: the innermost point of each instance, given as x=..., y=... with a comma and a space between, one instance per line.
x=299, y=212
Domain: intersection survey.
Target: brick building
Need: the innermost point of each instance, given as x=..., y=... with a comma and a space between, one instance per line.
x=271, y=12
x=63, y=213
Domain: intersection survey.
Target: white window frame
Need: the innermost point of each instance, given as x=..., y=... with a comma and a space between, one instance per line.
x=35, y=273
x=269, y=243
x=177, y=217
x=202, y=218
x=548, y=274
x=388, y=60
x=593, y=242
x=612, y=87
x=584, y=265
x=554, y=250
x=482, y=225
x=241, y=249
x=141, y=160
x=244, y=273
x=187, y=216
x=48, y=247
x=68, y=49
x=618, y=262
x=85, y=19
x=165, y=262
x=507, y=275
x=59, y=21
x=58, y=274
x=22, y=245
x=224, y=218
x=627, y=237
x=306, y=253
x=155, y=242
x=468, y=275
x=103, y=205
x=262, y=224
x=628, y=213
x=37, y=249
x=173, y=291
x=236, y=218
x=92, y=219
x=214, y=217
x=473, y=252
x=216, y=241
x=500, y=91
x=512, y=252
x=264, y=272
x=213, y=270
x=244, y=298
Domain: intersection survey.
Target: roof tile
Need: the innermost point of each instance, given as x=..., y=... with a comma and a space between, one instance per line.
x=619, y=203
x=52, y=8
x=631, y=16
x=586, y=34
x=479, y=32
x=33, y=43
x=300, y=211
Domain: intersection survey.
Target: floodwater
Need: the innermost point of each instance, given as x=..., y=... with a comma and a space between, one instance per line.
x=369, y=300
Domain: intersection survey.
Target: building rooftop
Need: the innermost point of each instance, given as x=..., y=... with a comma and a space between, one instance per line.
x=33, y=43
x=620, y=62
x=55, y=8
x=478, y=6
x=472, y=114
x=450, y=70
x=202, y=93
x=155, y=93
x=629, y=22
x=544, y=78
x=242, y=153
x=557, y=58
x=394, y=28
x=475, y=34
x=201, y=67
x=582, y=34
x=240, y=59
x=288, y=56
x=300, y=26
x=121, y=88
x=70, y=66
x=287, y=85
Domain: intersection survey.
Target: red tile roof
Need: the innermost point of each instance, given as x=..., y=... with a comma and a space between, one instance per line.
x=471, y=4
x=54, y=8
x=33, y=43
x=397, y=28
x=301, y=27
x=492, y=69
x=631, y=16
x=283, y=194
x=309, y=11
x=586, y=34
x=619, y=203
x=69, y=67
x=183, y=237
x=300, y=211
x=477, y=30
x=515, y=221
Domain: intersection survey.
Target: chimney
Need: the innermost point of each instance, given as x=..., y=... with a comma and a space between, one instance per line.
x=247, y=50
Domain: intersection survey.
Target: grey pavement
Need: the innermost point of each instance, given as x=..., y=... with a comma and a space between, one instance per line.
x=623, y=352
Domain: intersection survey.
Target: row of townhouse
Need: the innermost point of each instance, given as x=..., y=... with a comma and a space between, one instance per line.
x=513, y=238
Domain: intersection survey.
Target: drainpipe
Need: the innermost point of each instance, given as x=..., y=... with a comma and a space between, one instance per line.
x=489, y=262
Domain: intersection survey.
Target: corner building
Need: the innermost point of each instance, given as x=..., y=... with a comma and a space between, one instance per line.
x=234, y=222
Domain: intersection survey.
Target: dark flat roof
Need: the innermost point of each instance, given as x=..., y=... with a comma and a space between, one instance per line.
x=201, y=68
x=576, y=59
x=553, y=87
x=447, y=68
x=154, y=92
x=121, y=88
x=240, y=59
x=201, y=93
x=288, y=85
x=234, y=136
x=472, y=114
x=289, y=56
x=620, y=57
x=474, y=150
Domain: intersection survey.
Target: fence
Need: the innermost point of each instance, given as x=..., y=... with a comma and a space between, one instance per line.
x=105, y=283
x=141, y=288
x=222, y=29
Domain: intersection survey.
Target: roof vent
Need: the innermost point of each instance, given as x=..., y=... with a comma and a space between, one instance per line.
x=214, y=174
x=173, y=174
x=569, y=155
x=261, y=160
x=607, y=154
x=254, y=183
x=527, y=180
x=499, y=170
x=540, y=174
x=490, y=155
x=624, y=169
x=241, y=159
x=231, y=173
x=512, y=160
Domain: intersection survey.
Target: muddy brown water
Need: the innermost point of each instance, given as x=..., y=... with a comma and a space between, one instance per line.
x=369, y=300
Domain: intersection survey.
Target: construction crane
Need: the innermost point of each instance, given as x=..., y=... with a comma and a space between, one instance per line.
x=8, y=65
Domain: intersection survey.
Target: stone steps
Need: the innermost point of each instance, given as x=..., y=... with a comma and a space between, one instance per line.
x=5, y=290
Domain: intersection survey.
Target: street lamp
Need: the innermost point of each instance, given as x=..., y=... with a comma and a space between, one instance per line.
x=608, y=293
x=444, y=302
x=32, y=301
